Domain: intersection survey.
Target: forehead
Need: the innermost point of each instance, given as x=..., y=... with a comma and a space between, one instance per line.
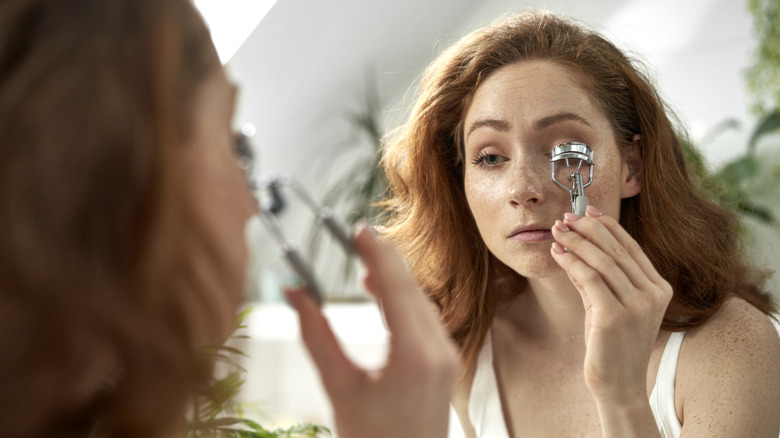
x=531, y=89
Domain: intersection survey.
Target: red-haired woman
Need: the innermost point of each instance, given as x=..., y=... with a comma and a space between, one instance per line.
x=122, y=215
x=637, y=319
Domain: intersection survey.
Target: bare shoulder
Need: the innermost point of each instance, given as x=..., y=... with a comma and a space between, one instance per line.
x=737, y=327
x=729, y=373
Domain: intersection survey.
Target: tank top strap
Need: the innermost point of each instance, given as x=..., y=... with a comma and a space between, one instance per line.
x=662, y=396
x=485, y=411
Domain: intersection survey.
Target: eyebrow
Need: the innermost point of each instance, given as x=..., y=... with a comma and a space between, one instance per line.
x=498, y=125
x=544, y=122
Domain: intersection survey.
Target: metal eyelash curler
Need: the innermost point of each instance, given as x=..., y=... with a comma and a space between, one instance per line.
x=572, y=155
x=275, y=204
x=270, y=201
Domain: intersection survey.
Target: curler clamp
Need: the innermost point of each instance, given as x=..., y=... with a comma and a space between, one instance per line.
x=569, y=158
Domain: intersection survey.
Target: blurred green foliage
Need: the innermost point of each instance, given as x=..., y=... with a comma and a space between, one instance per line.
x=355, y=191
x=763, y=76
x=747, y=183
x=215, y=410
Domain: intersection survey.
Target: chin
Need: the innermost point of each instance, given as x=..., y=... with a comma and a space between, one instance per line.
x=536, y=266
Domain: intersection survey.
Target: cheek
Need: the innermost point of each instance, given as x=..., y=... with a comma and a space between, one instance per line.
x=230, y=210
x=221, y=200
x=475, y=193
x=604, y=193
x=484, y=197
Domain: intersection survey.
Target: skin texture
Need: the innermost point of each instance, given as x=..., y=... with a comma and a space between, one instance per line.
x=577, y=351
x=518, y=191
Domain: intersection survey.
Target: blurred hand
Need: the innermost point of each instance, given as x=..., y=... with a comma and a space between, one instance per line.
x=407, y=397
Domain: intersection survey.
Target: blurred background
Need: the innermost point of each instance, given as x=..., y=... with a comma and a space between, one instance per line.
x=321, y=82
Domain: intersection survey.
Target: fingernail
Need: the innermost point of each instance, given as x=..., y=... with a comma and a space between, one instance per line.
x=570, y=217
x=561, y=226
x=593, y=211
x=558, y=248
x=363, y=226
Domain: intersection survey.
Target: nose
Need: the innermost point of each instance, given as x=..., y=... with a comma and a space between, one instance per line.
x=528, y=184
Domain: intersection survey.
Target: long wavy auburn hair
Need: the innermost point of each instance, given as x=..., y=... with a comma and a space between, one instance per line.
x=692, y=242
x=97, y=282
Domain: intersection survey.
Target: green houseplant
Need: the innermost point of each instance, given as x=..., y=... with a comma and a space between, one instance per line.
x=355, y=190
x=215, y=410
x=748, y=184
x=744, y=183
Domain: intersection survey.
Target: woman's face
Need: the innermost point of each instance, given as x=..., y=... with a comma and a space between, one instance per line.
x=220, y=198
x=518, y=114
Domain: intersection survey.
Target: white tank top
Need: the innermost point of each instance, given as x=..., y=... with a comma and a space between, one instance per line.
x=487, y=418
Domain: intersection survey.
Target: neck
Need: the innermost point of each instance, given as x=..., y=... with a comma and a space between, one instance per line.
x=549, y=310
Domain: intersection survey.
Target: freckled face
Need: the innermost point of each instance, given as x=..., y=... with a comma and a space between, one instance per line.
x=518, y=114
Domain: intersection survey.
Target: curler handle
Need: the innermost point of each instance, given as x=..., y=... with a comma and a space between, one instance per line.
x=580, y=204
x=296, y=262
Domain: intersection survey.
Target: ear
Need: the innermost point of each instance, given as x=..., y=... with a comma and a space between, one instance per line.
x=631, y=176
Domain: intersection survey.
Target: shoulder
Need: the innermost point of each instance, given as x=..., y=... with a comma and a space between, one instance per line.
x=728, y=372
x=737, y=330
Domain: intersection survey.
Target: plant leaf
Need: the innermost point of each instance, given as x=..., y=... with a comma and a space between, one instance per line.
x=767, y=125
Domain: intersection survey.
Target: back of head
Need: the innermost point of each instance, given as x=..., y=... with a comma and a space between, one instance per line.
x=94, y=99
x=429, y=217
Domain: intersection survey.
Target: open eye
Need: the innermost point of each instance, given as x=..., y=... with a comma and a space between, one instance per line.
x=485, y=159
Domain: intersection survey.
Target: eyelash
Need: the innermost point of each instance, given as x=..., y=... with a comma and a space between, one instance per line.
x=479, y=160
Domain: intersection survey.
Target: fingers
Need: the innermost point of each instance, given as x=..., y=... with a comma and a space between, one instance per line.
x=336, y=370
x=601, y=254
x=409, y=395
x=406, y=308
x=595, y=273
x=628, y=244
x=589, y=282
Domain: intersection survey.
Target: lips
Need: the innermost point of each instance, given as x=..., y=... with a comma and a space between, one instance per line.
x=530, y=234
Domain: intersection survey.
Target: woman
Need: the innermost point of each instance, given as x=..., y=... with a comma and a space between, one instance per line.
x=563, y=320
x=122, y=234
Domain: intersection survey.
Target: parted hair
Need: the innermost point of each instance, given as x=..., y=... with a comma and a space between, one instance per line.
x=691, y=241
x=95, y=99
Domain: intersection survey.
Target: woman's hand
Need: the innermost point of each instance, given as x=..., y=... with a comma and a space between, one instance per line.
x=625, y=300
x=409, y=396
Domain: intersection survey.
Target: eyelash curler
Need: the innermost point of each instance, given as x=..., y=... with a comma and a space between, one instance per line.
x=275, y=203
x=270, y=199
x=570, y=157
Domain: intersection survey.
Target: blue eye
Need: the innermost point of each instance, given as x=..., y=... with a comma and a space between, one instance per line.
x=488, y=160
